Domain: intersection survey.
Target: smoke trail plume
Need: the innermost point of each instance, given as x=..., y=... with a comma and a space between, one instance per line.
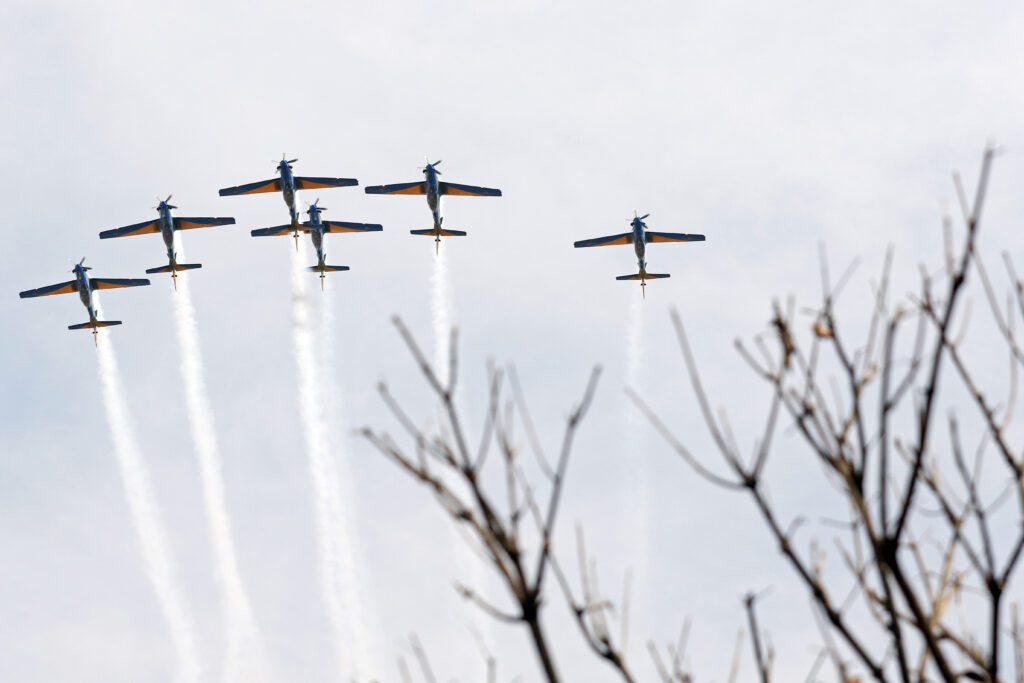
x=460, y=541
x=142, y=507
x=328, y=510
x=241, y=632
x=635, y=459
x=347, y=575
x=441, y=313
x=634, y=351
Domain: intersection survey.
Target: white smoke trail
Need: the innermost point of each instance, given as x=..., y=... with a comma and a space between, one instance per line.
x=634, y=350
x=635, y=460
x=340, y=496
x=327, y=507
x=241, y=632
x=441, y=314
x=142, y=506
x=464, y=556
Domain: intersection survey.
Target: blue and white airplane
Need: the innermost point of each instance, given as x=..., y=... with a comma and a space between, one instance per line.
x=288, y=184
x=640, y=237
x=435, y=189
x=166, y=225
x=317, y=229
x=85, y=286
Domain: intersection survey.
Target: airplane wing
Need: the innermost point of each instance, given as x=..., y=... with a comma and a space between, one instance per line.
x=276, y=230
x=673, y=237
x=624, y=238
x=115, y=283
x=467, y=190
x=61, y=288
x=316, y=183
x=398, y=188
x=341, y=226
x=189, y=223
x=137, y=229
x=253, y=188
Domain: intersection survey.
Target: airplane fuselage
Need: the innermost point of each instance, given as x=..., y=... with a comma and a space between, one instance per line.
x=84, y=290
x=433, y=191
x=167, y=229
x=288, y=189
x=317, y=234
x=318, y=243
x=639, y=242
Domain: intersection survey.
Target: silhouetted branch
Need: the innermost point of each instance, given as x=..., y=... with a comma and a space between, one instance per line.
x=881, y=476
x=457, y=485
x=760, y=658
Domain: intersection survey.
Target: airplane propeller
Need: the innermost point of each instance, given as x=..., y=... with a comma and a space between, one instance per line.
x=289, y=162
x=432, y=165
x=309, y=207
x=164, y=201
x=80, y=264
x=636, y=216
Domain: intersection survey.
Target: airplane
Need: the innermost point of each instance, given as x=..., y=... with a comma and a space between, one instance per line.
x=317, y=229
x=166, y=225
x=288, y=184
x=435, y=189
x=640, y=237
x=85, y=286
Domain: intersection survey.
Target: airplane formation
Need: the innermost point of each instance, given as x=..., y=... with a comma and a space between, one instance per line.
x=288, y=185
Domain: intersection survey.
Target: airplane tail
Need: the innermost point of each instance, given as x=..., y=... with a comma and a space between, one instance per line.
x=98, y=323
x=643, y=276
x=443, y=232
x=177, y=266
x=328, y=269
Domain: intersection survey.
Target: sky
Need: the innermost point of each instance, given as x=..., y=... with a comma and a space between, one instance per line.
x=769, y=128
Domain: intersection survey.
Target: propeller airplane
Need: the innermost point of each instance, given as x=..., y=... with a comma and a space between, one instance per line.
x=85, y=285
x=435, y=189
x=640, y=237
x=167, y=225
x=317, y=229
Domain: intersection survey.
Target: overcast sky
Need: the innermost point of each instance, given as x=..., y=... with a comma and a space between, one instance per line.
x=768, y=127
